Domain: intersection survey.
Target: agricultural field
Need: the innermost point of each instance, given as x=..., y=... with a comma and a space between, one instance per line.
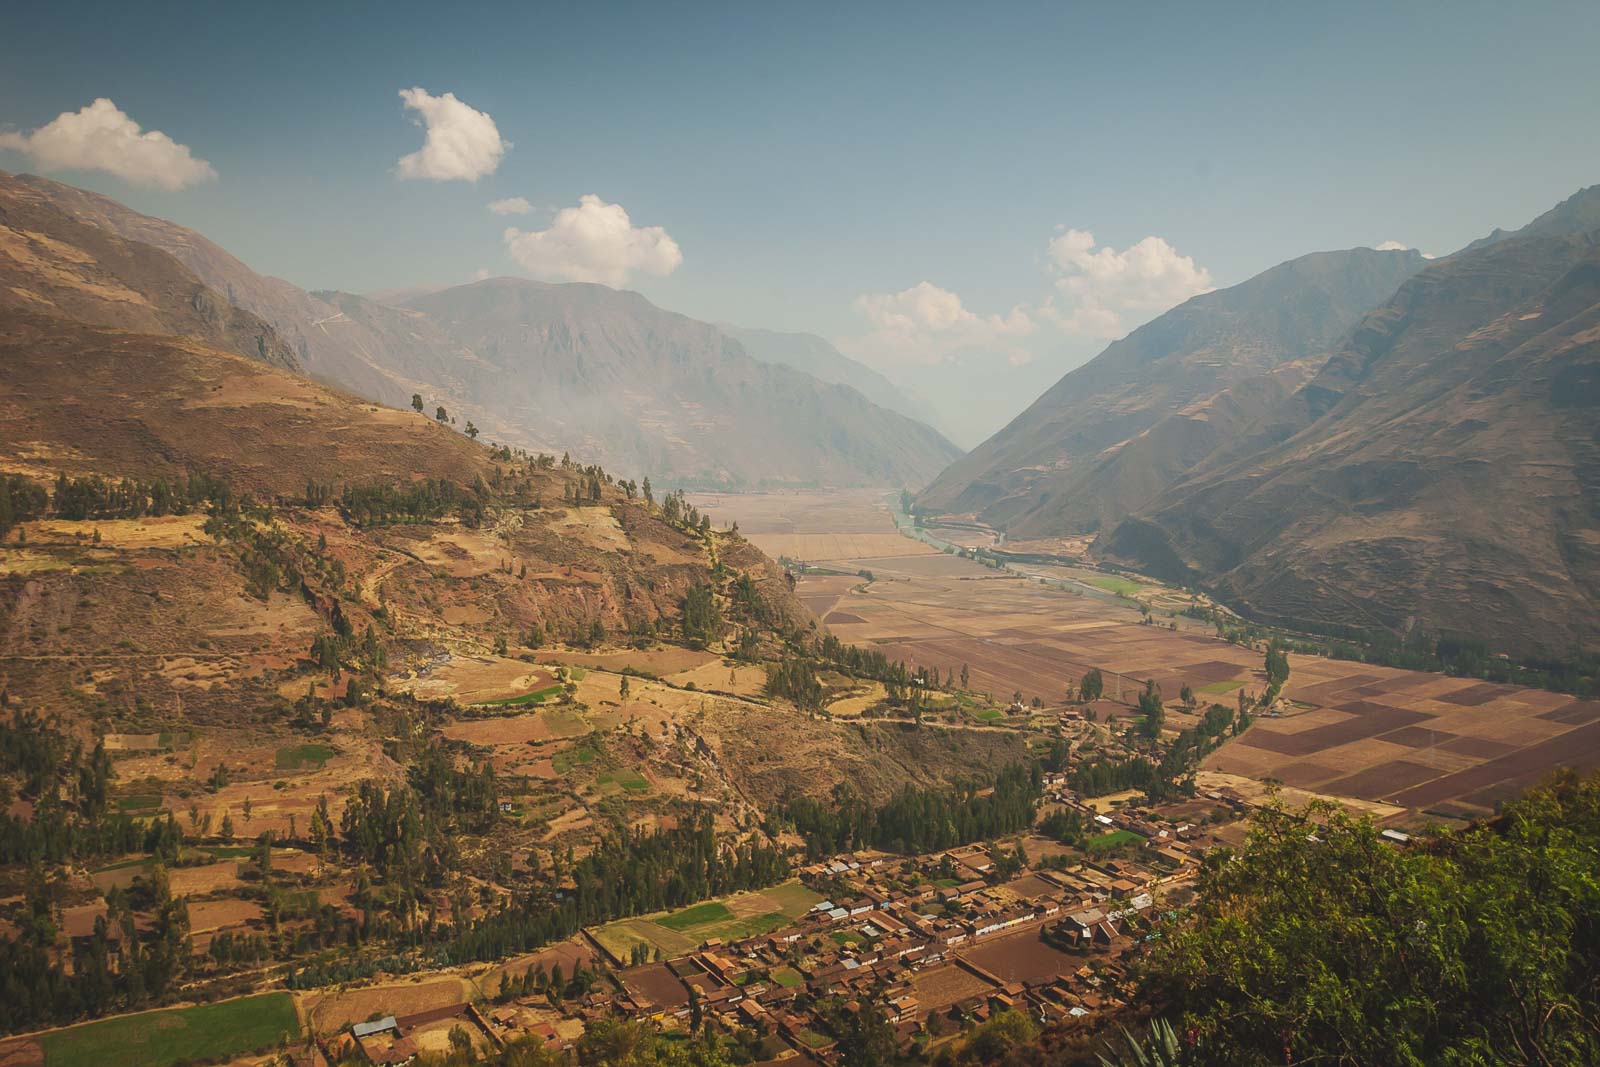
x=1402, y=740
x=942, y=611
x=731, y=918
x=1020, y=957
x=820, y=528
x=483, y=679
x=1425, y=742
x=217, y=1031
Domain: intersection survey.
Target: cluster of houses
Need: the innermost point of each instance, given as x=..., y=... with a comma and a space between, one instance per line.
x=935, y=943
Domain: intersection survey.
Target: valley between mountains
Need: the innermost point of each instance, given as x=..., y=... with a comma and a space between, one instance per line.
x=523, y=673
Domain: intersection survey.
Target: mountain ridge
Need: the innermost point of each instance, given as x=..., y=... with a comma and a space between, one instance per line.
x=1038, y=476
x=714, y=417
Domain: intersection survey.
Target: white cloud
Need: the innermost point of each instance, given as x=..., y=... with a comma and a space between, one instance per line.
x=593, y=242
x=1102, y=293
x=1393, y=246
x=461, y=142
x=481, y=274
x=925, y=324
x=1095, y=294
x=511, y=205
x=103, y=137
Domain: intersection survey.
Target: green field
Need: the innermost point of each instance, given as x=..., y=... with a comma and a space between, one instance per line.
x=161, y=1038
x=538, y=696
x=629, y=781
x=1219, y=688
x=1120, y=586
x=142, y=802
x=569, y=758
x=711, y=911
x=729, y=918
x=1115, y=839
x=311, y=754
x=787, y=977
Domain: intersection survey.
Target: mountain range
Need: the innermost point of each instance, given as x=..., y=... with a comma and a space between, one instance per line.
x=1099, y=442
x=817, y=357
x=1431, y=459
x=581, y=368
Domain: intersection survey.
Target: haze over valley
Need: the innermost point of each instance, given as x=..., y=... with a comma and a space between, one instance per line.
x=645, y=537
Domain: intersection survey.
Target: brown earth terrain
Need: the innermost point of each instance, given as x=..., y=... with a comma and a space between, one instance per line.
x=1414, y=740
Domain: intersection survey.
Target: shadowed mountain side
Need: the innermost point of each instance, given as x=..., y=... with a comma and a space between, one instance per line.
x=1442, y=468
x=1029, y=477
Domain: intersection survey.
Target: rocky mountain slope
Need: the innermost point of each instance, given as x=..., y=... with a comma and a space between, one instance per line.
x=608, y=374
x=605, y=374
x=1442, y=468
x=1114, y=432
x=52, y=262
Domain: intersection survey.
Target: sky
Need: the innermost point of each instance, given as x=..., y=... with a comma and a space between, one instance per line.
x=972, y=198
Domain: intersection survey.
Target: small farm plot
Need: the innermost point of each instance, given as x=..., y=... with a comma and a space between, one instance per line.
x=1020, y=958
x=730, y=918
x=206, y=1032
x=488, y=680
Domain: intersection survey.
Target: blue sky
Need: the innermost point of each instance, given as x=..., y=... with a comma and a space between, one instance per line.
x=804, y=157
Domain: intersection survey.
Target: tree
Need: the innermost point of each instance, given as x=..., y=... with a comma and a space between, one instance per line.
x=471, y=430
x=442, y=415
x=416, y=401
x=1092, y=687
x=226, y=830
x=1186, y=695
x=1319, y=941
x=1153, y=715
x=702, y=622
x=1277, y=666
x=622, y=688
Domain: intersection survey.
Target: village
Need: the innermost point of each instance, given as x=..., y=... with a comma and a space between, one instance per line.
x=937, y=943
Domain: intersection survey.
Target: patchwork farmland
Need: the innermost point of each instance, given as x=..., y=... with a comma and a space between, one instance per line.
x=1422, y=742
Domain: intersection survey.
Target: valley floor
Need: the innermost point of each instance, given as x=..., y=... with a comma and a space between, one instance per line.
x=1418, y=744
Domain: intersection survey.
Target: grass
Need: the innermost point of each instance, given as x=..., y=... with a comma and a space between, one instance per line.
x=730, y=918
x=567, y=759
x=1218, y=688
x=143, y=802
x=310, y=754
x=699, y=915
x=1120, y=586
x=538, y=696
x=1115, y=839
x=814, y=1040
x=218, y=1031
x=988, y=714
x=229, y=852
x=787, y=977
x=633, y=782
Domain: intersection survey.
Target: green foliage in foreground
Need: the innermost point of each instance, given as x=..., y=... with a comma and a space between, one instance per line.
x=158, y=1038
x=1318, y=942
